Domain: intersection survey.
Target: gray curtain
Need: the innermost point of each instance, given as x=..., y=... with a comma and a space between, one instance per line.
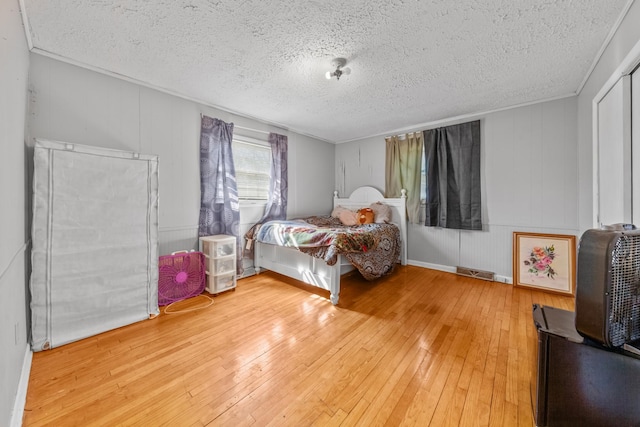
x=452, y=159
x=279, y=185
x=219, y=204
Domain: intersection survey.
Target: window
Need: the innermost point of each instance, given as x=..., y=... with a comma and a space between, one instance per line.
x=252, y=162
x=423, y=180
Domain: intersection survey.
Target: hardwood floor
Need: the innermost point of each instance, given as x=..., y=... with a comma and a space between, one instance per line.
x=421, y=347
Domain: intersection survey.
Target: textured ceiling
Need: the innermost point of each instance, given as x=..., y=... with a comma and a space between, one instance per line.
x=412, y=62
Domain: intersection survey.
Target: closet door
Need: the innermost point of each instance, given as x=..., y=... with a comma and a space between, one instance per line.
x=613, y=155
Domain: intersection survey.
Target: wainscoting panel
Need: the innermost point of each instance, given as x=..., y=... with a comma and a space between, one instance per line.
x=433, y=245
x=14, y=335
x=489, y=249
x=173, y=239
x=180, y=238
x=492, y=249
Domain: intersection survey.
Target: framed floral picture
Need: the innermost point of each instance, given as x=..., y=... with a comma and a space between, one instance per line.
x=545, y=261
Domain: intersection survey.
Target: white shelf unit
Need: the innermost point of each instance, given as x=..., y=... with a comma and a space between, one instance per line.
x=220, y=262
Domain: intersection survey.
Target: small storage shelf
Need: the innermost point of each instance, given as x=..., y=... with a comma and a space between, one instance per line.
x=222, y=265
x=220, y=261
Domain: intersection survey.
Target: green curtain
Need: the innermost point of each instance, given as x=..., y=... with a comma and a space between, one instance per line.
x=402, y=170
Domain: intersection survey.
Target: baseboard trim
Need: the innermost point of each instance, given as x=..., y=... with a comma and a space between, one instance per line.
x=452, y=269
x=439, y=267
x=503, y=279
x=21, y=395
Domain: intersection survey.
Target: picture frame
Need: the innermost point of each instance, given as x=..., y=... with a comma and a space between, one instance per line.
x=545, y=262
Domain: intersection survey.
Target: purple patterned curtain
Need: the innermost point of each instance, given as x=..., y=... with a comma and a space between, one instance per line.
x=279, y=185
x=219, y=205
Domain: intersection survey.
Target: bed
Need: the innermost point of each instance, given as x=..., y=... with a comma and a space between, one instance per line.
x=316, y=271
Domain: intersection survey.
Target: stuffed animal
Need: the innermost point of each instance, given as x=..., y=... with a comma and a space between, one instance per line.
x=365, y=216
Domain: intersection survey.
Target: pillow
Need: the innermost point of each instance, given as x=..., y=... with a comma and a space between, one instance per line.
x=382, y=212
x=365, y=216
x=347, y=217
x=336, y=211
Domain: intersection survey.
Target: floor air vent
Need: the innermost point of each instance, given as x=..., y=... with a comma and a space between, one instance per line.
x=476, y=274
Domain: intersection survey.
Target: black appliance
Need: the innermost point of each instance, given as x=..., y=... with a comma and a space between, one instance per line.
x=579, y=382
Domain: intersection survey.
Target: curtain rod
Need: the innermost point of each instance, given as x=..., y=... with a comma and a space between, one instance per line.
x=402, y=136
x=250, y=129
x=235, y=126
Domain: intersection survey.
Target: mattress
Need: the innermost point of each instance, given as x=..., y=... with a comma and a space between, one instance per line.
x=374, y=249
x=94, y=241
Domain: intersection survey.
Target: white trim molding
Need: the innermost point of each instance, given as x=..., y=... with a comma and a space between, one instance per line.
x=21, y=395
x=449, y=269
x=439, y=267
x=606, y=42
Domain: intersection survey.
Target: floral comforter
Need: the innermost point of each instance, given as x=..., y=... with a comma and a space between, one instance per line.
x=373, y=249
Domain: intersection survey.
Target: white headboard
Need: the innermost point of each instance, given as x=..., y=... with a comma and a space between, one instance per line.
x=363, y=197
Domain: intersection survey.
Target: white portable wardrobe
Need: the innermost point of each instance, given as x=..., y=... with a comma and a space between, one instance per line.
x=95, y=241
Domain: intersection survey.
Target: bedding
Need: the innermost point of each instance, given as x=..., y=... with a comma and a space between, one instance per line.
x=373, y=249
x=313, y=270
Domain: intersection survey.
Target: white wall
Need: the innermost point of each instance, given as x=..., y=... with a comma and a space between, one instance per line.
x=537, y=167
x=69, y=103
x=626, y=37
x=14, y=244
x=529, y=180
x=537, y=172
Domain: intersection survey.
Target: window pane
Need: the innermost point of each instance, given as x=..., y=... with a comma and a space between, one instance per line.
x=253, y=170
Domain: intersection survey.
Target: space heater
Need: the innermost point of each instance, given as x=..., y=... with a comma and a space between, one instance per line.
x=181, y=276
x=608, y=286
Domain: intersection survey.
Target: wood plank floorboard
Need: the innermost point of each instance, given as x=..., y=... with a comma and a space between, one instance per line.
x=420, y=347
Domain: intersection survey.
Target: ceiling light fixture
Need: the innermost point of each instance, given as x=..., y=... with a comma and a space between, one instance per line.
x=338, y=63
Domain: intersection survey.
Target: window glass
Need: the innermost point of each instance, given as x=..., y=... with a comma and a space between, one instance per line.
x=253, y=169
x=423, y=180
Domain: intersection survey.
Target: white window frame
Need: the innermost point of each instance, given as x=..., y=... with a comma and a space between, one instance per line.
x=258, y=142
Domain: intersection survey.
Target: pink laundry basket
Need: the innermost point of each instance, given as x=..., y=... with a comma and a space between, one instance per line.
x=181, y=276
